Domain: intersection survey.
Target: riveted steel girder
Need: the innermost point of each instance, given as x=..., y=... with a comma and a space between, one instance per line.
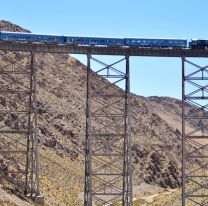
x=100, y=50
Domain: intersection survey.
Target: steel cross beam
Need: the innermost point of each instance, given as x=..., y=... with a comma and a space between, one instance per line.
x=18, y=123
x=194, y=141
x=108, y=164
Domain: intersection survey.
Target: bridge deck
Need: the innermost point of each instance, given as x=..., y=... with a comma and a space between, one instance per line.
x=155, y=52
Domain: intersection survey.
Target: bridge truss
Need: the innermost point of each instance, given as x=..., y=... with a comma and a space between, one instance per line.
x=108, y=177
x=18, y=137
x=195, y=144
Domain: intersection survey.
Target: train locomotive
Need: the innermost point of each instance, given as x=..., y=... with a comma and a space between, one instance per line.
x=198, y=44
x=173, y=43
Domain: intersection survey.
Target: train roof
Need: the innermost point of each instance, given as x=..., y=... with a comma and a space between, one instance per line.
x=87, y=36
x=94, y=37
x=155, y=38
x=198, y=39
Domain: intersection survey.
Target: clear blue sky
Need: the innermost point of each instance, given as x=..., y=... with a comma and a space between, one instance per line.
x=125, y=18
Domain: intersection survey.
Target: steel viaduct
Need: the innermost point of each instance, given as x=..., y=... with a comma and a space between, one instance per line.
x=108, y=164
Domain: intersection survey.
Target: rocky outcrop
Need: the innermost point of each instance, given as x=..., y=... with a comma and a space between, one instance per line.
x=8, y=26
x=156, y=167
x=4, y=168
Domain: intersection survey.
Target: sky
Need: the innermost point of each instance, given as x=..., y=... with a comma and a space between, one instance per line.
x=150, y=76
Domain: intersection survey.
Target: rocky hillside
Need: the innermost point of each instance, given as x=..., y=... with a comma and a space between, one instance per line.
x=61, y=128
x=8, y=26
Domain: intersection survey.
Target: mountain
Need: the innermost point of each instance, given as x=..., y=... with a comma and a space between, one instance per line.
x=8, y=26
x=61, y=95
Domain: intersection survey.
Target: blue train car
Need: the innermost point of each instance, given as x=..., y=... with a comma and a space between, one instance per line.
x=94, y=41
x=28, y=37
x=161, y=43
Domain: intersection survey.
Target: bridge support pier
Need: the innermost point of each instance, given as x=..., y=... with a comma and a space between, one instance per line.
x=195, y=141
x=18, y=124
x=108, y=164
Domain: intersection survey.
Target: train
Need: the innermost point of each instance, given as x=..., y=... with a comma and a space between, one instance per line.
x=198, y=44
x=174, y=43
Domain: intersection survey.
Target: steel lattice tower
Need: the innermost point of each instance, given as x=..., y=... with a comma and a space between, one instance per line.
x=195, y=141
x=18, y=125
x=108, y=175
